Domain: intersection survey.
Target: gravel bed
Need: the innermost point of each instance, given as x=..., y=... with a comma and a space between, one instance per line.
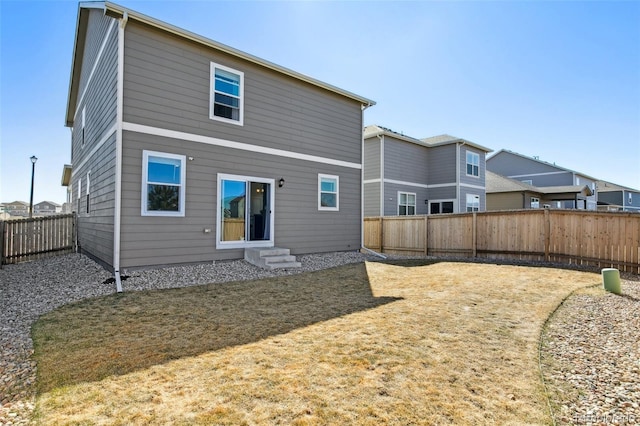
x=591, y=353
x=593, y=342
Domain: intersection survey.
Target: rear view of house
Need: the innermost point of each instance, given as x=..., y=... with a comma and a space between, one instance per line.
x=186, y=150
x=408, y=176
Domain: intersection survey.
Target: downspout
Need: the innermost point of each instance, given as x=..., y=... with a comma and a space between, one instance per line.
x=381, y=137
x=458, y=159
x=118, y=170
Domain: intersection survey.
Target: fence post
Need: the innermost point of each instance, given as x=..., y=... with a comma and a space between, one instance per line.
x=381, y=234
x=426, y=236
x=547, y=236
x=474, y=235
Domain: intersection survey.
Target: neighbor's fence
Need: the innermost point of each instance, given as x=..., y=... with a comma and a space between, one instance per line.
x=30, y=239
x=602, y=239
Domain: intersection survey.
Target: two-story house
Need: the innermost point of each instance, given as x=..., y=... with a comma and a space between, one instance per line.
x=408, y=176
x=17, y=208
x=613, y=197
x=187, y=150
x=564, y=188
x=46, y=208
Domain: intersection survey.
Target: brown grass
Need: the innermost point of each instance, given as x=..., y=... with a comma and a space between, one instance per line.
x=448, y=343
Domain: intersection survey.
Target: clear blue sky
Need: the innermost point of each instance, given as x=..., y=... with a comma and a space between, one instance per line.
x=558, y=80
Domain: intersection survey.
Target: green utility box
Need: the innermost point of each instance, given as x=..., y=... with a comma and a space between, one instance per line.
x=611, y=280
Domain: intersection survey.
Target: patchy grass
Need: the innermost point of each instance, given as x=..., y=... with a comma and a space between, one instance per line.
x=447, y=343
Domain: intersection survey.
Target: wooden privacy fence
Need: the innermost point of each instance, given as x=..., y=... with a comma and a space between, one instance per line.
x=30, y=239
x=602, y=239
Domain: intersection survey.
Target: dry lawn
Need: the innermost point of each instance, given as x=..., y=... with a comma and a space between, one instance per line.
x=446, y=343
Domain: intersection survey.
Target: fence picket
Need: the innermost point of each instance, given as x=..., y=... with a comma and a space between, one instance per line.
x=36, y=238
x=603, y=239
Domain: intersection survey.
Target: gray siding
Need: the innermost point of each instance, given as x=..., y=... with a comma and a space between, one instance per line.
x=95, y=229
x=391, y=198
x=612, y=197
x=299, y=225
x=372, y=199
x=167, y=86
x=442, y=164
x=541, y=174
x=468, y=179
x=405, y=161
x=371, y=158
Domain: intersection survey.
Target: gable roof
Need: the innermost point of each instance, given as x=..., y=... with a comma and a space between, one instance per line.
x=537, y=160
x=495, y=183
x=116, y=11
x=604, y=186
x=376, y=130
x=49, y=202
x=498, y=183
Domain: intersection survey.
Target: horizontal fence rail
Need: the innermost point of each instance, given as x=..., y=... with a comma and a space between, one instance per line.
x=602, y=239
x=36, y=238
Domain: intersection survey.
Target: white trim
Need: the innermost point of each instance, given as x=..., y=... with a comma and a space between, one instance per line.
x=221, y=245
x=419, y=185
x=456, y=208
x=468, y=185
x=538, y=174
x=377, y=180
x=337, y=192
x=212, y=91
x=93, y=69
x=144, y=208
x=155, y=131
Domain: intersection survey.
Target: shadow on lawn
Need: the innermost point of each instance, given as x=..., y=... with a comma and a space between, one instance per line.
x=119, y=334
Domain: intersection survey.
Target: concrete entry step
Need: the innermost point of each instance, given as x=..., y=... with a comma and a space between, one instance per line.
x=271, y=258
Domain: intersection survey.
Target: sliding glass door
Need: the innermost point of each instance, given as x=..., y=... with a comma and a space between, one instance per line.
x=245, y=216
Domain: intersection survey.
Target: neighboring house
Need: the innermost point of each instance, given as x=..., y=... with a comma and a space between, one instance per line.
x=504, y=193
x=568, y=184
x=612, y=197
x=408, y=176
x=17, y=208
x=45, y=208
x=168, y=127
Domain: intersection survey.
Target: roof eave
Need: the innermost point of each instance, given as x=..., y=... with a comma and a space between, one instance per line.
x=117, y=11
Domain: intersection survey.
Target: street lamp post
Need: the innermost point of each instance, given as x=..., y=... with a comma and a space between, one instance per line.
x=33, y=173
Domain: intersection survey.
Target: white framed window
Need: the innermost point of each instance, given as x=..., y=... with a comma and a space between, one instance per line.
x=535, y=202
x=473, y=164
x=527, y=181
x=83, y=123
x=473, y=203
x=630, y=198
x=88, y=190
x=226, y=101
x=163, y=184
x=406, y=203
x=79, y=193
x=328, y=192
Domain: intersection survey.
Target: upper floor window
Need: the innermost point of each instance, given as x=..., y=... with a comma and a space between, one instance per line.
x=163, y=184
x=328, y=192
x=473, y=164
x=630, y=198
x=406, y=203
x=527, y=181
x=83, y=123
x=227, y=94
x=473, y=203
